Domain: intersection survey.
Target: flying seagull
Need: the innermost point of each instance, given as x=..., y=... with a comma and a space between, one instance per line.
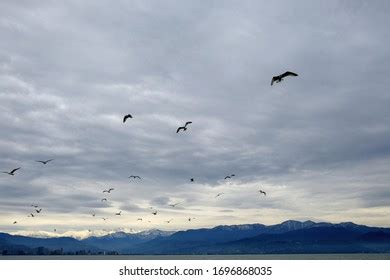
x=38, y=211
x=15, y=222
x=135, y=177
x=126, y=117
x=190, y=219
x=219, y=194
x=192, y=180
x=45, y=161
x=104, y=219
x=119, y=213
x=34, y=205
x=139, y=219
x=278, y=79
x=154, y=212
x=174, y=204
x=93, y=214
x=169, y=221
x=12, y=173
x=184, y=128
x=31, y=215
x=262, y=192
x=104, y=199
x=109, y=190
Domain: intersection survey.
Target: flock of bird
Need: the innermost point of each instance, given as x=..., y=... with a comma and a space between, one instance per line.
x=36, y=211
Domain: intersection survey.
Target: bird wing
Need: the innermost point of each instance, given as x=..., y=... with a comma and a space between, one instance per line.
x=288, y=73
x=273, y=80
x=41, y=161
x=179, y=128
x=50, y=160
x=227, y=177
x=15, y=170
x=187, y=123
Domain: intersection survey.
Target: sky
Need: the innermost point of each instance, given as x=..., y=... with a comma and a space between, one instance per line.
x=317, y=144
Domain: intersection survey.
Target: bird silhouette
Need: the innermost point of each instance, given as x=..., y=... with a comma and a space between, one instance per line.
x=34, y=205
x=262, y=192
x=45, y=161
x=109, y=190
x=227, y=177
x=104, y=199
x=126, y=117
x=12, y=172
x=278, y=79
x=93, y=214
x=139, y=219
x=184, y=128
x=169, y=221
x=15, y=222
x=219, y=194
x=38, y=211
x=119, y=213
x=31, y=215
x=154, y=212
x=104, y=219
x=190, y=219
x=174, y=204
x=192, y=180
x=135, y=177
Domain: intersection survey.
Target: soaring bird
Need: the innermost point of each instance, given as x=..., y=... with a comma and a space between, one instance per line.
x=15, y=222
x=93, y=214
x=278, y=79
x=154, y=212
x=34, y=205
x=169, y=221
x=262, y=192
x=104, y=219
x=192, y=180
x=31, y=215
x=119, y=213
x=184, y=128
x=109, y=190
x=104, y=199
x=174, y=204
x=135, y=177
x=12, y=173
x=126, y=117
x=227, y=177
x=190, y=219
x=219, y=194
x=45, y=161
x=139, y=219
x=38, y=211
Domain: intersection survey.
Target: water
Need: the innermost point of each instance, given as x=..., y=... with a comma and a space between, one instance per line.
x=211, y=257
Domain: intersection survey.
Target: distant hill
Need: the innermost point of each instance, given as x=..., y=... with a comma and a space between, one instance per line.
x=284, y=238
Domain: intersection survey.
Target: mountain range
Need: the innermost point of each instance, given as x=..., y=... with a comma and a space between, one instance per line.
x=286, y=238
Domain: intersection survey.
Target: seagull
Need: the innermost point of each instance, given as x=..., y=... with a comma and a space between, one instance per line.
x=278, y=79
x=192, y=180
x=12, y=173
x=109, y=190
x=31, y=215
x=126, y=117
x=15, y=222
x=104, y=219
x=262, y=192
x=154, y=212
x=135, y=177
x=189, y=219
x=45, y=161
x=38, y=211
x=184, y=128
x=35, y=206
x=93, y=214
x=174, y=205
x=219, y=194
x=139, y=219
x=169, y=221
x=104, y=199
x=228, y=177
x=119, y=213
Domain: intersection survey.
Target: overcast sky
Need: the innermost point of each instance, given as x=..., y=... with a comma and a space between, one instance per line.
x=318, y=144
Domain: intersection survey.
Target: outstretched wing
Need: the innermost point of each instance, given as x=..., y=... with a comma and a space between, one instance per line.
x=187, y=123
x=180, y=128
x=16, y=169
x=227, y=177
x=273, y=80
x=288, y=73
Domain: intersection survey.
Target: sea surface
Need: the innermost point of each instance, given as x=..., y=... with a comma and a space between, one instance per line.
x=210, y=257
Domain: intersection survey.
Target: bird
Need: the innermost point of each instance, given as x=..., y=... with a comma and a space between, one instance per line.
x=169, y=221
x=192, y=180
x=119, y=213
x=262, y=192
x=219, y=194
x=31, y=215
x=126, y=117
x=139, y=219
x=45, y=161
x=184, y=128
x=135, y=177
x=104, y=219
x=190, y=219
x=227, y=177
x=15, y=222
x=104, y=199
x=174, y=204
x=278, y=79
x=93, y=214
x=154, y=212
x=38, y=211
x=109, y=190
x=12, y=172
x=34, y=205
